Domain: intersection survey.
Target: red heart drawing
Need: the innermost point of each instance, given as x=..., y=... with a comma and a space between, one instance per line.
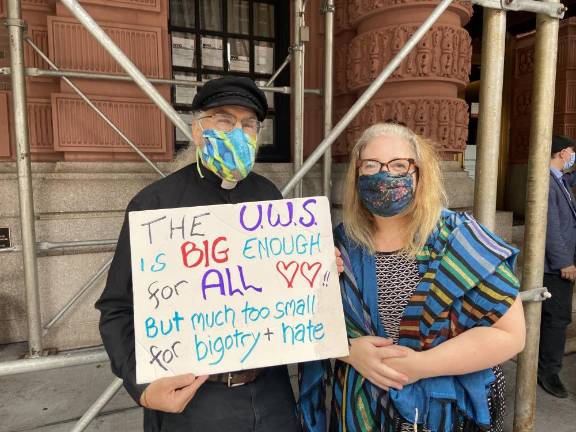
x=285, y=272
x=306, y=272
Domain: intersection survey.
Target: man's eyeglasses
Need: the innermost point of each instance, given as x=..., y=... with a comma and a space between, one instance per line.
x=396, y=167
x=227, y=122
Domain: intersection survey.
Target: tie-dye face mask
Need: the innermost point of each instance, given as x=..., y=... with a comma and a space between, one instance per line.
x=229, y=155
x=386, y=195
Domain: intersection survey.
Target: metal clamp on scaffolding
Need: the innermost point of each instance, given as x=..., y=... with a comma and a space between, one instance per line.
x=535, y=295
x=553, y=10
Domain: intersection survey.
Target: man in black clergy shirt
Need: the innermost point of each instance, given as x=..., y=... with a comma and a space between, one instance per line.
x=228, y=114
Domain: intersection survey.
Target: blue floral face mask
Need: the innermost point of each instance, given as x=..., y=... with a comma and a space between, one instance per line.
x=230, y=155
x=386, y=195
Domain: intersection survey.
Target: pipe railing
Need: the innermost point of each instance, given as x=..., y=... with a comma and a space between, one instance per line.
x=543, y=92
x=490, y=116
x=48, y=246
x=25, y=192
x=57, y=361
x=278, y=72
x=298, y=95
x=36, y=72
x=328, y=10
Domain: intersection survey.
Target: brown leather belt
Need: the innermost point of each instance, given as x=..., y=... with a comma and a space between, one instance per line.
x=234, y=379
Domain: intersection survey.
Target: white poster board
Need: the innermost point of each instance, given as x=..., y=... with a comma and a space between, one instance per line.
x=236, y=286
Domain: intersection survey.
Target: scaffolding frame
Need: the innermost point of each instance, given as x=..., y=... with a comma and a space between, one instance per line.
x=548, y=15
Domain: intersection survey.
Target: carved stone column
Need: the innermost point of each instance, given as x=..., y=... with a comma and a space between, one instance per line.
x=344, y=97
x=424, y=91
x=565, y=99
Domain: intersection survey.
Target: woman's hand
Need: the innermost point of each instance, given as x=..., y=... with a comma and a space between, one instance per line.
x=368, y=355
x=410, y=365
x=171, y=394
x=339, y=261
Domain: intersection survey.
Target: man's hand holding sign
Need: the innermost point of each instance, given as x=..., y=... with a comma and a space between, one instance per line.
x=232, y=287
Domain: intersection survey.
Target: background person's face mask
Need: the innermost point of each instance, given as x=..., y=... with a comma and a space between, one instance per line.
x=230, y=155
x=386, y=195
x=570, y=163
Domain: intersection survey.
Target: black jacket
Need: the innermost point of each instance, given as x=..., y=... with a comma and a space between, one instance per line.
x=184, y=188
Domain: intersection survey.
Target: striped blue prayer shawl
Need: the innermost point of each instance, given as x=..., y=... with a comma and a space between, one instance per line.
x=466, y=281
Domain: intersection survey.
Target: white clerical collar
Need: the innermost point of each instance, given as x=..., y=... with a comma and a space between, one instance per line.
x=227, y=184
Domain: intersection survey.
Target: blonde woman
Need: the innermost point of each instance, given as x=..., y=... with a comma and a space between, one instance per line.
x=429, y=296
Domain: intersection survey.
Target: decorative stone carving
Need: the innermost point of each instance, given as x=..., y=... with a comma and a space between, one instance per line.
x=78, y=128
x=443, y=120
x=40, y=132
x=72, y=47
x=341, y=21
x=149, y=5
x=38, y=5
x=566, y=53
x=443, y=54
x=340, y=67
x=522, y=102
x=39, y=36
x=362, y=9
x=524, y=61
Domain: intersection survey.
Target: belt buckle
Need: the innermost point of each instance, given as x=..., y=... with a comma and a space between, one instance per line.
x=230, y=381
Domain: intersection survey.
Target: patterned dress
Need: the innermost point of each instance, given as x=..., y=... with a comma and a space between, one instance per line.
x=397, y=277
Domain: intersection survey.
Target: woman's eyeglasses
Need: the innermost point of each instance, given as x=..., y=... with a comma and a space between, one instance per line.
x=396, y=167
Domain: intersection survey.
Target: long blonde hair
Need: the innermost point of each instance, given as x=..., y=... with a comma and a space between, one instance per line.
x=429, y=198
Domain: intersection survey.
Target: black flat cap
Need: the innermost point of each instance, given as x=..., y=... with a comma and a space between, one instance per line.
x=231, y=90
x=560, y=142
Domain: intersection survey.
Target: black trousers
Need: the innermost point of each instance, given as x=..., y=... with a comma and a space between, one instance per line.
x=264, y=405
x=556, y=316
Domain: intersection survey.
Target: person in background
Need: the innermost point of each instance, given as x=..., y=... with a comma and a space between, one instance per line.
x=430, y=300
x=559, y=269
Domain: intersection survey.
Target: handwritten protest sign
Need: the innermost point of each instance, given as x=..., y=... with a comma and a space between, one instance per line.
x=236, y=286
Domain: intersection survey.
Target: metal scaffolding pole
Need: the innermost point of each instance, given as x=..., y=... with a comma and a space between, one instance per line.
x=298, y=90
x=108, y=44
x=366, y=96
x=16, y=29
x=35, y=72
x=278, y=72
x=490, y=116
x=48, y=246
x=98, y=405
x=328, y=10
x=58, y=361
x=544, y=80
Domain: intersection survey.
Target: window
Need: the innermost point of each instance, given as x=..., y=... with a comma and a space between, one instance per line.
x=213, y=38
